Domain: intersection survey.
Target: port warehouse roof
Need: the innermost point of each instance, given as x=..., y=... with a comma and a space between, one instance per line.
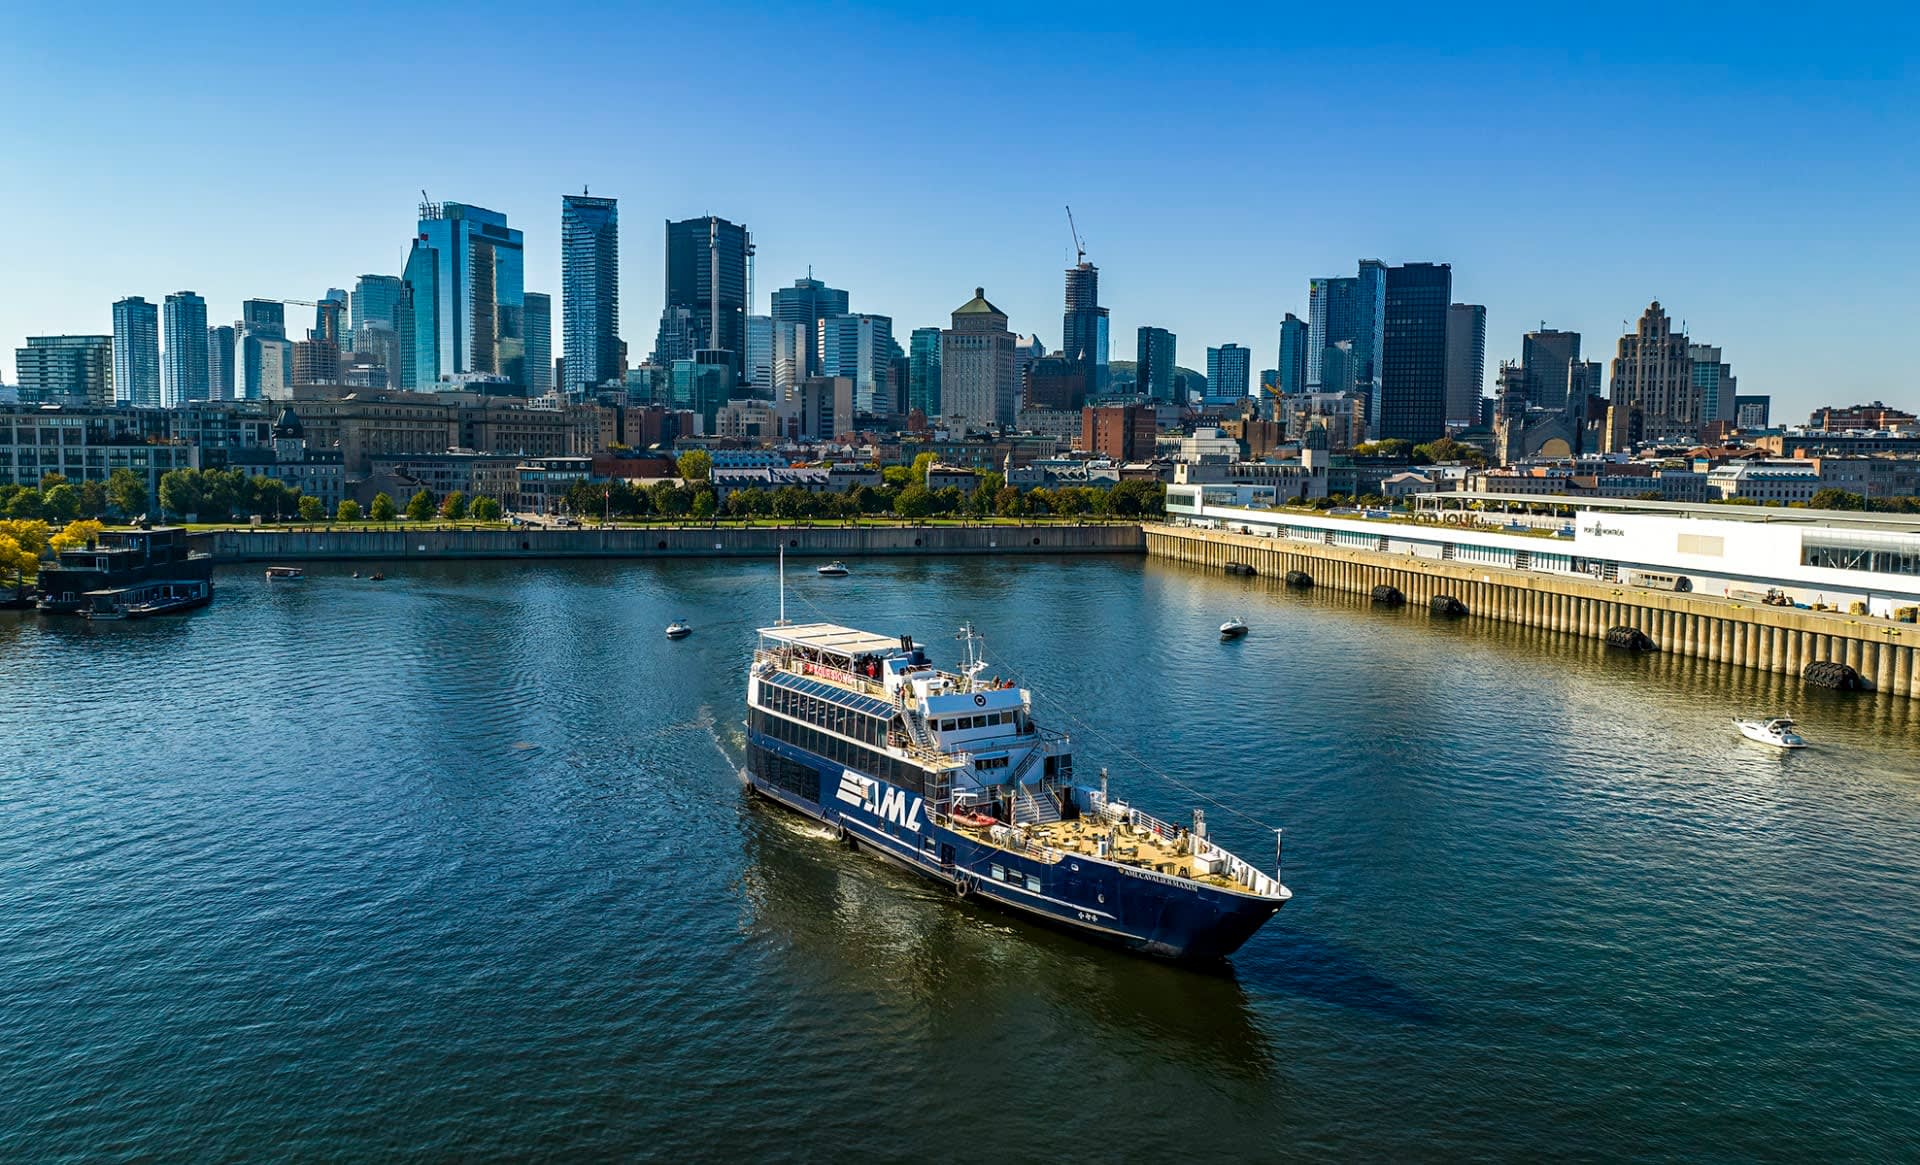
x=831, y=638
x=1884, y=523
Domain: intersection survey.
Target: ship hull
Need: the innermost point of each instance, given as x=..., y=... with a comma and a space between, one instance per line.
x=1137, y=910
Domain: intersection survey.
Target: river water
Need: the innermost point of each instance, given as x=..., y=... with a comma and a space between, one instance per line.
x=459, y=865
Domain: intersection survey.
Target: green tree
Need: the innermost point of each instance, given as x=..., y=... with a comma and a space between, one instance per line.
x=49, y=480
x=1008, y=502
x=1392, y=448
x=696, y=465
x=484, y=509
x=420, y=507
x=913, y=502
x=127, y=492
x=790, y=502
x=349, y=511
x=453, y=507
x=26, y=506
x=62, y=503
x=312, y=509
x=705, y=505
x=1447, y=449
x=918, y=471
x=181, y=492
x=1823, y=499
x=383, y=509
x=93, y=498
x=897, y=477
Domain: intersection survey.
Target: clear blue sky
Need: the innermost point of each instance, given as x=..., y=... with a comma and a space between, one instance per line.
x=1754, y=170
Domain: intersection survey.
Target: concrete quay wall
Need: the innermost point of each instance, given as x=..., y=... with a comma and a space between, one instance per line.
x=401, y=543
x=1773, y=639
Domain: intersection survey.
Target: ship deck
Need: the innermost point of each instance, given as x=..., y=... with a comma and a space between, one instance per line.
x=1143, y=849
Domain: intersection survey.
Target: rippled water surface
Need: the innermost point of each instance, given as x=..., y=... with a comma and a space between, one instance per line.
x=459, y=865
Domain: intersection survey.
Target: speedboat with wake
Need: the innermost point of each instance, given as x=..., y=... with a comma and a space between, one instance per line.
x=1779, y=732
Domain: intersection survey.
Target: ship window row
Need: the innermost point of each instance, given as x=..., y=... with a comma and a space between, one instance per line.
x=1877, y=559
x=985, y=720
x=899, y=773
x=791, y=775
x=824, y=713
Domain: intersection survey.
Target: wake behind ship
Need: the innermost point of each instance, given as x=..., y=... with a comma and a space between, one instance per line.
x=949, y=775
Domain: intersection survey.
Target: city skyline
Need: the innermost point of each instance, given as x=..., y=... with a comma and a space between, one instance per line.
x=1215, y=262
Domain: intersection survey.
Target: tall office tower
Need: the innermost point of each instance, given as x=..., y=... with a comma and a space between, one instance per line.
x=793, y=348
x=805, y=304
x=480, y=292
x=265, y=356
x=759, y=357
x=589, y=290
x=1713, y=382
x=923, y=372
x=976, y=365
x=1548, y=356
x=1229, y=374
x=316, y=362
x=136, y=352
x=1293, y=355
x=1026, y=350
x=706, y=300
x=1154, y=354
x=417, y=318
x=1410, y=403
x=66, y=370
x=375, y=297
x=1348, y=309
x=539, y=330
x=1466, y=363
x=859, y=346
x=1653, y=373
x=1584, y=380
x=183, y=361
x=330, y=319
x=1083, y=329
x=220, y=366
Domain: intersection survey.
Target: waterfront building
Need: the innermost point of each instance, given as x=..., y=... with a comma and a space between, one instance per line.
x=706, y=291
x=88, y=442
x=1751, y=412
x=589, y=290
x=1713, y=383
x=977, y=381
x=375, y=300
x=1654, y=397
x=859, y=346
x=1154, y=356
x=316, y=473
x=539, y=342
x=1229, y=374
x=1410, y=397
x=479, y=291
x=65, y=370
x=1466, y=363
x=1294, y=337
x=136, y=352
x=1083, y=328
x=1119, y=432
x=923, y=372
x=804, y=305
x=266, y=359
x=1549, y=357
x=220, y=365
x=183, y=362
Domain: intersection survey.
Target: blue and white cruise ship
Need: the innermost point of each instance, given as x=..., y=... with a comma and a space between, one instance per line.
x=947, y=773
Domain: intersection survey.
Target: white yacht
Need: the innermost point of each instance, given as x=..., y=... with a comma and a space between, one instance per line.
x=1778, y=731
x=834, y=569
x=1233, y=629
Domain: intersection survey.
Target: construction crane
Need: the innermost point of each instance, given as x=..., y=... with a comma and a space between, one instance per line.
x=1079, y=244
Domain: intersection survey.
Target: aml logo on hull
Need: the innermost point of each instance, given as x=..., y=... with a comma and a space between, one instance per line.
x=884, y=801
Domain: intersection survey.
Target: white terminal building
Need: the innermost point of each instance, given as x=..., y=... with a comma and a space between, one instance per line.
x=1812, y=557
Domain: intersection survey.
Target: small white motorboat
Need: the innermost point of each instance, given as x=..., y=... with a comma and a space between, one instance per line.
x=1778, y=732
x=285, y=574
x=678, y=630
x=834, y=570
x=1233, y=629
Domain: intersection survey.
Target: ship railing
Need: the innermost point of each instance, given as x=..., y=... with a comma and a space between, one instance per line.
x=1011, y=839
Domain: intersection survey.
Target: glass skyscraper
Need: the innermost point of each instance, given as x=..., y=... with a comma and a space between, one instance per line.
x=375, y=297
x=859, y=346
x=1346, y=310
x=1293, y=354
x=417, y=319
x=539, y=342
x=66, y=370
x=1229, y=374
x=923, y=371
x=1411, y=401
x=184, y=360
x=706, y=292
x=266, y=359
x=1154, y=355
x=1084, y=326
x=479, y=294
x=220, y=378
x=589, y=290
x=805, y=304
x=136, y=352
